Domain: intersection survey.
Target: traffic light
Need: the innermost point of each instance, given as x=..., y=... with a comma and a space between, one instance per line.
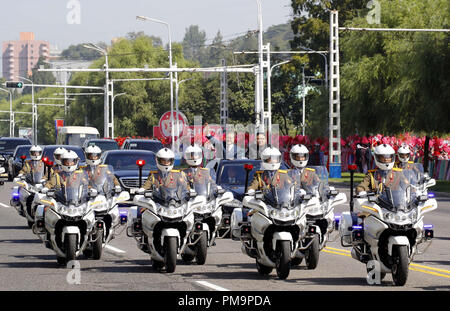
x=17, y=85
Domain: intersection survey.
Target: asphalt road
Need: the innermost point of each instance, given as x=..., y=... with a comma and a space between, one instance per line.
x=25, y=264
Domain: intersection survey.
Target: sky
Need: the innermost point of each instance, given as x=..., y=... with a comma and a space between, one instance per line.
x=56, y=21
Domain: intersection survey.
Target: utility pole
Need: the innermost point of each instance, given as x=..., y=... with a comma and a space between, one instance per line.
x=223, y=97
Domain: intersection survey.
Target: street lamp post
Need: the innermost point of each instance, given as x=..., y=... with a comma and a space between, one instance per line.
x=177, y=85
x=112, y=113
x=107, y=91
x=33, y=110
x=260, y=118
x=11, y=116
x=145, y=18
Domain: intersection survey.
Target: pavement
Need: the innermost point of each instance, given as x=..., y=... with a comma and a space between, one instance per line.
x=25, y=264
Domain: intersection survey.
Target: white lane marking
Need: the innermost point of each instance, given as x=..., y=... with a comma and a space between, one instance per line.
x=4, y=205
x=116, y=250
x=210, y=285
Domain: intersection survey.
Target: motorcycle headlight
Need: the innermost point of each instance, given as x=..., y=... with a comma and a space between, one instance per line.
x=388, y=216
x=160, y=210
x=413, y=215
x=273, y=213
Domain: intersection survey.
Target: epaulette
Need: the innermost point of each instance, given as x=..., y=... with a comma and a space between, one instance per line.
x=397, y=169
x=79, y=171
x=411, y=162
x=153, y=172
x=83, y=166
x=204, y=168
x=259, y=172
x=311, y=169
x=175, y=171
x=103, y=165
x=283, y=171
x=371, y=171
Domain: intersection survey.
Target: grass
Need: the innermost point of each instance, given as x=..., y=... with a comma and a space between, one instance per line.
x=357, y=178
x=441, y=186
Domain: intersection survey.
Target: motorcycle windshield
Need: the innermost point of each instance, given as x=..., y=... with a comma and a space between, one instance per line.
x=396, y=194
x=36, y=174
x=101, y=178
x=321, y=172
x=280, y=194
x=175, y=193
x=75, y=189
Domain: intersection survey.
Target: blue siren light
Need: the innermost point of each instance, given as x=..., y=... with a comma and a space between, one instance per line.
x=357, y=227
x=428, y=226
x=431, y=195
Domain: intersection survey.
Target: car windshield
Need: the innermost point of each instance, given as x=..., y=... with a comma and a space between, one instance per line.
x=78, y=139
x=127, y=161
x=101, y=178
x=234, y=174
x=280, y=193
x=396, y=193
x=20, y=151
x=104, y=145
x=10, y=145
x=154, y=146
x=48, y=152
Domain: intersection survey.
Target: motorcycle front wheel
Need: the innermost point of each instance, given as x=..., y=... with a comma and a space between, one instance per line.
x=170, y=253
x=284, y=260
x=97, y=246
x=401, y=264
x=202, y=249
x=312, y=256
x=70, y=245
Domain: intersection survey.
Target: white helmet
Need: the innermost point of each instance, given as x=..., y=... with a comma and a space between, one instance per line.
x=403, y=153
x=299, y=156
x=165, y=159
x=35, y=152
x=384, y=157
x=271, y=159
x=58, y=153
x=69, y=161
x=93, y=154
x=193, y=155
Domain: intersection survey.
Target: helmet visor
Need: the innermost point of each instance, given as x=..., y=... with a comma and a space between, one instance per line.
x=35, y=153
x=300, y=156
x=93, y=156
x=385, y=158
x=165, y=161
x=193, y=155
x=274, y=159
x=403, y=156
x=69, y=161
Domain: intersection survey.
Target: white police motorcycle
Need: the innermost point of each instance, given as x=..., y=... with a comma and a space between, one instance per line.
x=165, y=222
x=275, y=229
x=65, y=218
x=207, y=219
x=106, y=210
x=392, y=231
x=319, y=203
x=23, y=195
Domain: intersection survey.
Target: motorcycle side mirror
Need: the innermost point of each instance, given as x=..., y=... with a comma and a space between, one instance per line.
x=42, y=181
x=192, y=193
x=220, y=190
x=50, y=193
x=423, y=198
x=148, y=194
x=23, y=177
x=372, y=199
x=259, y=195
x=93, y=193
x=307, y=197
x=333, y=192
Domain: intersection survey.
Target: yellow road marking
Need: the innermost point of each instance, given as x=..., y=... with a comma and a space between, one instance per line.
x=342, y=251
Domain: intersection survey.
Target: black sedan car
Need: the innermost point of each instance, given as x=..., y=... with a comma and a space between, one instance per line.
x=142, y=144
x=126, y=169
x=230, y=175
x=104, y=144
x=49, y=149
x=15, y=161
x=7, y=147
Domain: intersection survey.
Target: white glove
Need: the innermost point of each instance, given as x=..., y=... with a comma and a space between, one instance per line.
x=362, y=194
x=118, y=189
x=44, y=190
